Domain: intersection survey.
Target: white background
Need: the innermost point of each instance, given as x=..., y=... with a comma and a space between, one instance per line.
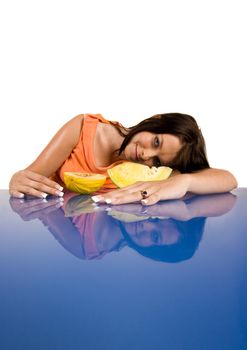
x=126, y=60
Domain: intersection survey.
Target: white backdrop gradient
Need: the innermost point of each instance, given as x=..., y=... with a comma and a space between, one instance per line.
x=126, y=60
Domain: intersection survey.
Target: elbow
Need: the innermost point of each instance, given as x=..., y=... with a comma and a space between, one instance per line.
x=233, y=181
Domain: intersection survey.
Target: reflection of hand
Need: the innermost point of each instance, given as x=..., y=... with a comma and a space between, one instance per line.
x=176, y=209
x=80, y=204
x=197, y=206
x=174, y=187
x=31, y=183
x=34, y=208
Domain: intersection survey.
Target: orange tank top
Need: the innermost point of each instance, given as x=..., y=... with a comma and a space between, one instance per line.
x=82, y=157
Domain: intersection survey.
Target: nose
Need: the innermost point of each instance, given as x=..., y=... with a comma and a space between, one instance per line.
x=147, y=155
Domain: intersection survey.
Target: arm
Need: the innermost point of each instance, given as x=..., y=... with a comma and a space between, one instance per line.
x=211, y=181
x=202, y=182
x=34, y=179
x=179, y=209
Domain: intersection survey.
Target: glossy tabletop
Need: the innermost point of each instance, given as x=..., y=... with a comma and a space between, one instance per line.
x=74, y=275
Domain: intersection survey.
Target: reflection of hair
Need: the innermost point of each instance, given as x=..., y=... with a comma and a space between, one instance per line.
x=192, y=155
x=190, y=236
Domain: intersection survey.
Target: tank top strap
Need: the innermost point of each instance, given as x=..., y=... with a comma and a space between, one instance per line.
x=101, y=119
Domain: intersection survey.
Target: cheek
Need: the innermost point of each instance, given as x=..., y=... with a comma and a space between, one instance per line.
x=128, y=148
x=143, y=241
x=142, y=137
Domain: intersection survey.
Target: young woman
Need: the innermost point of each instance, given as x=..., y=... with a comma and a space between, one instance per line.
x=89, y=143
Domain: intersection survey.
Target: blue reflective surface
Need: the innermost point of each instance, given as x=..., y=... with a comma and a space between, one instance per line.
x=169, y=276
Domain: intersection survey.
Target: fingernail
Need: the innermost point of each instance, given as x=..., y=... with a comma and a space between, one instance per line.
x=21, y=195
x=59, y=200
x=108, y=200
x=96, y=199
x=60, y=188
x=59, y=193
x=144, y=201
x=108, y=209
x=44, y=200
x=58, y=205
x=44, y=195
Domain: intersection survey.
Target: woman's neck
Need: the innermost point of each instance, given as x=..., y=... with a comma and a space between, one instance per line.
x=107, y=145
x=116, y=143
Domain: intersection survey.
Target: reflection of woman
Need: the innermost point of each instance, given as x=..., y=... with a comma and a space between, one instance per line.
x=177, y=237
x=89, y=143
x=92, y=235
x=165, y=240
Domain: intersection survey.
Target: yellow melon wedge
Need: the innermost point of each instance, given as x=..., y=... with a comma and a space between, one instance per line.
x=128, y=173
x=83, y=182
x=126, y=217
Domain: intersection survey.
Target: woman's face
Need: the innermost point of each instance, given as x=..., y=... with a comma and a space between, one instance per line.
x=152, y=149
x=147, y=233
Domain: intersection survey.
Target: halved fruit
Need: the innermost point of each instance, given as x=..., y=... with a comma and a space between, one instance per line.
x=128, y=173
x=79, y=204
x=83, y=182
x=126, y=217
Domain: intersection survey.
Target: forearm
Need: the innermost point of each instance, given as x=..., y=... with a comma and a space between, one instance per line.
x=211, y=181
x=34, y=180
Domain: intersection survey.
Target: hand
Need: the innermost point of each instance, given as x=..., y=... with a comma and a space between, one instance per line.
x=175, y=209
x=33, y=184
x=211, y=205
x=174, y=187
x=35, y=208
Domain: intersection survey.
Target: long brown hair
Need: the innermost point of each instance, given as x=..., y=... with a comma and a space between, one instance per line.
x=192, y=156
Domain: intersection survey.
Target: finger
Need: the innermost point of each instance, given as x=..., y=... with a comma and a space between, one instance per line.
x=40, y=204
x=41, y=187
x=124, y=199
x=38, y=178
x=29, y=191
x=140, y=185
x=128, y=195
x=16, y=194
x=152, y=199
x=44, y=210
x=135, y=208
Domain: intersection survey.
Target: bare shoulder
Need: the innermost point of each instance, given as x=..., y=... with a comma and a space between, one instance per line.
x=73, y=127
x=104, y=129
x=77, y=120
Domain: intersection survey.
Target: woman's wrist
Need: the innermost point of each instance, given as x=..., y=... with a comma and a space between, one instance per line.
x=209, y=181
x=188, y=181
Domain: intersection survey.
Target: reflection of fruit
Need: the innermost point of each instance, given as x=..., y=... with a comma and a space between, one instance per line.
x=80, y=204
x=128, y=173
x=126, y=217
x=83, y=183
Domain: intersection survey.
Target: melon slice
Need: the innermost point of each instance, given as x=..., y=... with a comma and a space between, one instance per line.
x=83, y=182
x=80, y=204
x=128, y=173
x=126, y=217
